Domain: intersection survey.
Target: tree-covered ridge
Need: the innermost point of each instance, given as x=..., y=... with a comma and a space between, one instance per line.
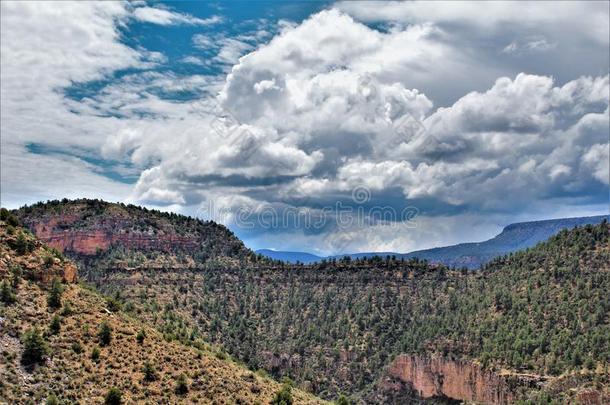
x=135, y=236
x=335, y=326
x=94, y=212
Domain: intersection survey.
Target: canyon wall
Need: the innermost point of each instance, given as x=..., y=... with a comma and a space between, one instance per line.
x=438, y=377
x=61, y=233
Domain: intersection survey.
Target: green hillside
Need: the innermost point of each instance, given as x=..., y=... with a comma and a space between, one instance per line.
x=335, y=327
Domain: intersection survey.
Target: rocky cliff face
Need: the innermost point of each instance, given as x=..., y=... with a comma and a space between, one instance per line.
x=85, y=228
x=20, y=252
x=439, y=377
x=63, y=233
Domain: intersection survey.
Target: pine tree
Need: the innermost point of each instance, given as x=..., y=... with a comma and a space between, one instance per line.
x=55, y=325
x=7, y=295
x=54, y=298
x=34, y=347
x=105, y=334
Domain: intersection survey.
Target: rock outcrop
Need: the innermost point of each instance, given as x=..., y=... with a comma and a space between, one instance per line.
x=21, y=252
x=84, y=228
x=62, y=233
x=439, y=377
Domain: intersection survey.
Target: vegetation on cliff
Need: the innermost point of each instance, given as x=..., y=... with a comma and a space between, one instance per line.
x=99, y=235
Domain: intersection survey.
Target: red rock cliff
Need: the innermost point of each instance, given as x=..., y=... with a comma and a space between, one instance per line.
x=59, y=232
x=440, y=377
x=34, y=263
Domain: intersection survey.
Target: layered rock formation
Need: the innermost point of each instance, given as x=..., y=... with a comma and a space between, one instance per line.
x=438, y=377
x=22, y=253
x=59, y=232
x=85, y=228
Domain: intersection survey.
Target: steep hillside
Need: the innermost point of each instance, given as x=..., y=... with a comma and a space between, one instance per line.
x=102, y=235
x=60, y=340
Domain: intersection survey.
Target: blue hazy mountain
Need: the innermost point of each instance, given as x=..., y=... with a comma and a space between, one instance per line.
x=514, y=237
x=290, y=257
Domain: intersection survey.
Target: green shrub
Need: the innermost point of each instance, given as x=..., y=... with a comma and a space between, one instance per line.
x=54, y=298
x=113, y=397
x=78, y=348
x=12, y=221
x=113, y=304
x=56, y=253
x=67, y=309
x=48, y=261
x=129, y=307
x=149, y=372
x=342, y=400
x=284, y=395
x=104, y=334
x=55, y=325
x=181, y=385
x=140, y=336
x=22, y=244
x=7, y=294
x=35, y=347
x=95, y=354
x=17, y=273
x=52, y=399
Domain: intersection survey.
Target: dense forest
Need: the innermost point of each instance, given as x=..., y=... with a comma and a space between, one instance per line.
x=333, y=327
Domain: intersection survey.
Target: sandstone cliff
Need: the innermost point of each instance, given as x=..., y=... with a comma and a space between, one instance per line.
x=440, y=377
x=59, y=232
x=86, y=228
x=22, y=253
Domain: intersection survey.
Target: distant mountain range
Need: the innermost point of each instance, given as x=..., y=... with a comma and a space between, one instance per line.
x=514, y=237
x=290, y=257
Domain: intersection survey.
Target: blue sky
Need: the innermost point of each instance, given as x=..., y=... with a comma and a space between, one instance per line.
x=325, y=127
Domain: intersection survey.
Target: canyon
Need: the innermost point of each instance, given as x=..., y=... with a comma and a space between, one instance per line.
x=380, y=329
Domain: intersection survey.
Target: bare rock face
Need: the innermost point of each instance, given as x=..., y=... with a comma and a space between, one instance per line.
x=85, y=228
x=70, y=273
x=61, y=233
x=438, y=377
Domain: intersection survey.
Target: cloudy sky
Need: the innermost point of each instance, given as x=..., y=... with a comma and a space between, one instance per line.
x=423, y=123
